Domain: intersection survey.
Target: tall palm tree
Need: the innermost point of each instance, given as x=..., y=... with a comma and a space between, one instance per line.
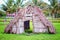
x=54, y=5
x=11, y=5
x=37, y=2
x=7, y=6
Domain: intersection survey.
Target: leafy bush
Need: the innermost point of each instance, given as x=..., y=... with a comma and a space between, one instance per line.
x=2, y=13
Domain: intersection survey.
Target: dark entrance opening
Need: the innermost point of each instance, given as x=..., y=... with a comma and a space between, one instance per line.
x=27, y=27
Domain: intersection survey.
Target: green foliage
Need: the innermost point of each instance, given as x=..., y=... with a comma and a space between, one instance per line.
x=4, y=7
x=11, y=5
x=53, y=2
x=35, y=2
x=18, y=2
x=28, y=31
x=55, y=7
x=2, y=13
x=58, y=15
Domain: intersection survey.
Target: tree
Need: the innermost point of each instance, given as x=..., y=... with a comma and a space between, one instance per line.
x=11, y=5
x=1, y=13
x=7, y=6
x=37, y=2
x=54, y=5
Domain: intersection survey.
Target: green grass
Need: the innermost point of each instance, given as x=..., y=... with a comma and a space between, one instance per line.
x=4, y=19
x=25, y=36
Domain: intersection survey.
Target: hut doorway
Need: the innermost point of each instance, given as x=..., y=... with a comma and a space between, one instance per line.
x=28, y=26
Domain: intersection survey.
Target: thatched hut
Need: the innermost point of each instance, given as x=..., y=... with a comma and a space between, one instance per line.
x=40, y=23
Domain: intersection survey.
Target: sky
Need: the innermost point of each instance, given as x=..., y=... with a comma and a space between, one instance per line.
x=2, y=2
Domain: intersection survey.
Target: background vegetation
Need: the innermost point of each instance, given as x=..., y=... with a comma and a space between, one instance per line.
x=52, y=12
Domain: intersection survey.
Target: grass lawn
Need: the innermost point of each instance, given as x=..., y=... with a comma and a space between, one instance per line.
x=25, y=36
